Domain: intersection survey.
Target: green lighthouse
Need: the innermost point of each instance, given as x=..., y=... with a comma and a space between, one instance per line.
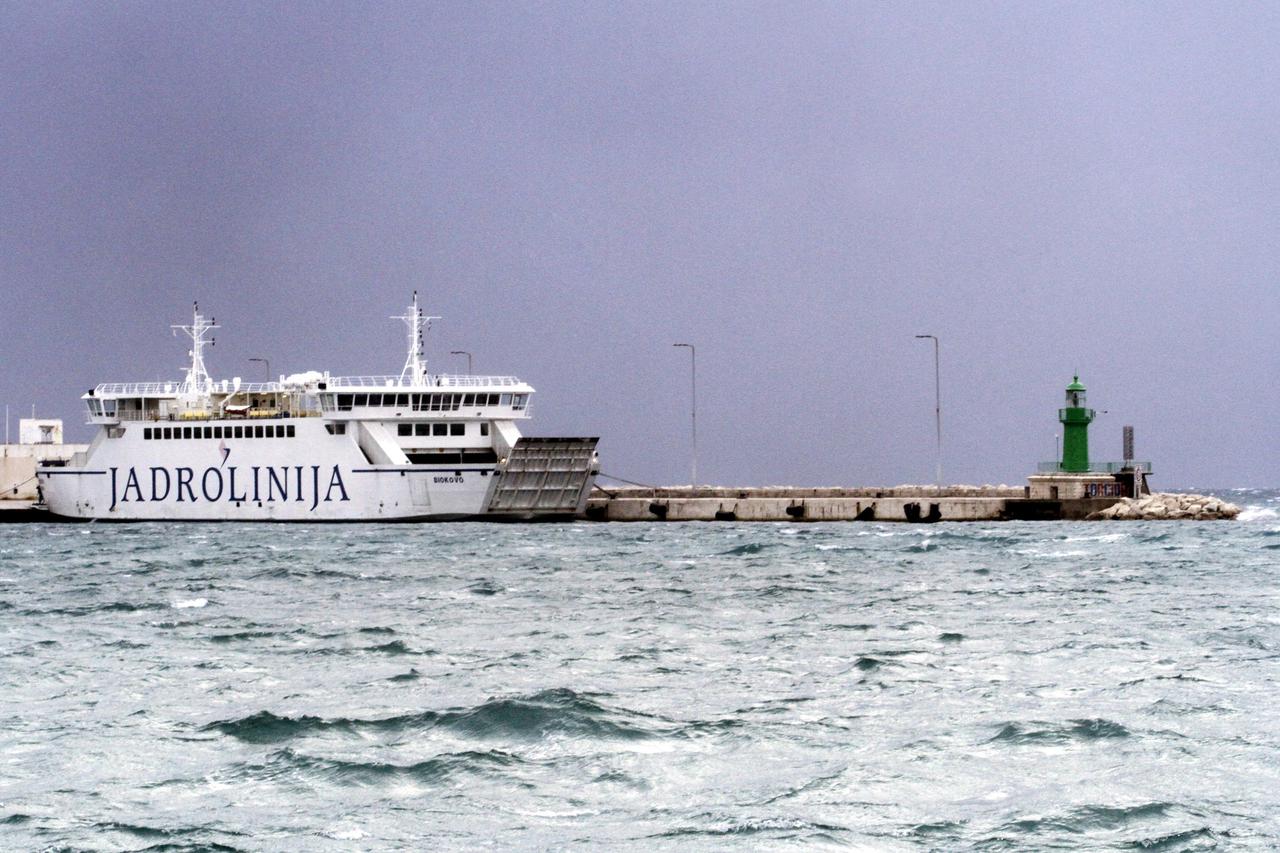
x=1075, y=420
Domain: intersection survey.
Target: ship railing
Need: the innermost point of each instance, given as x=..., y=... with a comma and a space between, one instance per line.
x=442, y=380
x=1094, y=468
x=181, y=417
x=172, y=389
x=460, y=380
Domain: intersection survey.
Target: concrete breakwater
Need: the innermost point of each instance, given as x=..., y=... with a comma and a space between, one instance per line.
x=918, y=504
x=1168, y=506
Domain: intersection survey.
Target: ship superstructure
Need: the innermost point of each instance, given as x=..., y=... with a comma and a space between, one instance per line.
x=316, y=447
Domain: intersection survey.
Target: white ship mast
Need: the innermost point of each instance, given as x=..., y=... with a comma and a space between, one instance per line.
x=197, y=385
x=414, y=371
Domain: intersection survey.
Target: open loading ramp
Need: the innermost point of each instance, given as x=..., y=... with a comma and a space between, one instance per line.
x=545, y=479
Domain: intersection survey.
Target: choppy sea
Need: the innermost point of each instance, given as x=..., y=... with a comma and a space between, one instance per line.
x=642, y=686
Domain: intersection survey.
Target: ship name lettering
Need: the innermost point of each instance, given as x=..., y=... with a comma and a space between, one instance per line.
x=218, y=485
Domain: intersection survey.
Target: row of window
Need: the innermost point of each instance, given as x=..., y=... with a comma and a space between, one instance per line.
x=487, y=456
x=288, y=431
x=421, y=402
x=244, y=431
x=439, y=429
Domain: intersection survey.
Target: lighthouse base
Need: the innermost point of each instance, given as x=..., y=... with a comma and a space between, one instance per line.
x=1065, y=486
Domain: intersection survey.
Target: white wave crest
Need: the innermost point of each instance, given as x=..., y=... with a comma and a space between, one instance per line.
x=191, y=602
x=1258, y=513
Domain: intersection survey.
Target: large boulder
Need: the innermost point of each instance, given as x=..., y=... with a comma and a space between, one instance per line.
x=1168, y=505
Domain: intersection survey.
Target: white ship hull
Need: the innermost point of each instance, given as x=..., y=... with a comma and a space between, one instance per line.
x=313, y=476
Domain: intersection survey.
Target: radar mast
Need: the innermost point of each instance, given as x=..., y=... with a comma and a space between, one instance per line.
x=414, y=371
x=197, y=384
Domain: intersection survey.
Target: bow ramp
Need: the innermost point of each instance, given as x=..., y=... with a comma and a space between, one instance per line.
x=545, y=478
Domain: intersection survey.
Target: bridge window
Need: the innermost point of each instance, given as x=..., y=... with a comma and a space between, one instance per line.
x=422, y=429
x=405, y=429
x=439, y=429
x=518, y=400
x=360, y=400
x=344, y=402
x=457, y=429
x=468, y=399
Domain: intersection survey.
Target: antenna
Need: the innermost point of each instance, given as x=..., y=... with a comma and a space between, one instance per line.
x=197, y=381
x=414, y=371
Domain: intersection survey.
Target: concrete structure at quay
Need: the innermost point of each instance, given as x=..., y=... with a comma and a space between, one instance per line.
x=920, y=504
x=39, y=442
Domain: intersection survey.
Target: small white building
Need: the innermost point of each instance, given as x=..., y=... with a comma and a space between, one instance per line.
x=40, y=431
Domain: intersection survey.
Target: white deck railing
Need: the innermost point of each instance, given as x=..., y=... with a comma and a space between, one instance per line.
x=183, y=417
x=172, y=389
x=432, y=381
x=370, y=383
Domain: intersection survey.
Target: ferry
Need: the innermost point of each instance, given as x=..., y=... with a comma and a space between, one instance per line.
x=312, y=447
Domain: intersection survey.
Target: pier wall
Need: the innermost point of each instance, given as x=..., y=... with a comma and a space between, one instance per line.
x=900, y=504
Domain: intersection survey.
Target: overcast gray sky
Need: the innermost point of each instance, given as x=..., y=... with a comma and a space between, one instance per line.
x=796, y=188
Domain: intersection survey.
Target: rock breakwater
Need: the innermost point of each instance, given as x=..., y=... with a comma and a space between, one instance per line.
x=1168, y=506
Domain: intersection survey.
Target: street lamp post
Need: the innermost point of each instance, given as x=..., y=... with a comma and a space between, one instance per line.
x=467, y=354
x=693, y=384
x=268, y=366
x=937, y=396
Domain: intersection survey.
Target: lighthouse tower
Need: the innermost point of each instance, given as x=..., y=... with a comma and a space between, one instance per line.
x=1075, y=418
